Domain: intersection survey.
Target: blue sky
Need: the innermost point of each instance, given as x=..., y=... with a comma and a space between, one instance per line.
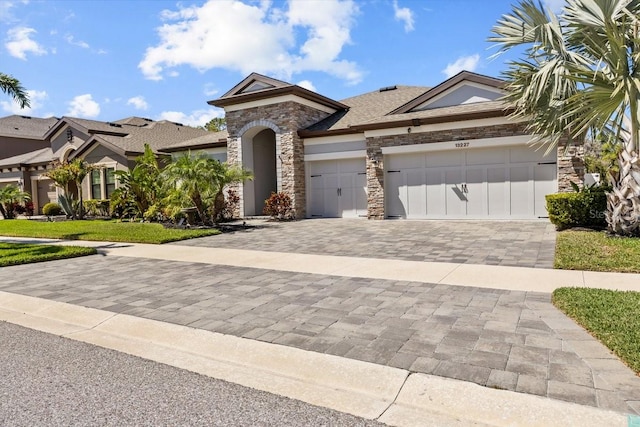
x=111, y=59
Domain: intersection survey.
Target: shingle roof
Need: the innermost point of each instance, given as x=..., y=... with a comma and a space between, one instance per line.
x=369, y=106
x=25, y=127
x=209, y=138
x=158, y=135
x=44, y=155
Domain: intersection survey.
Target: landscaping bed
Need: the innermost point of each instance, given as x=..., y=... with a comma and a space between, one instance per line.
x=112, y=231
x=613, y=317
x=22, y=253
x=597, y=251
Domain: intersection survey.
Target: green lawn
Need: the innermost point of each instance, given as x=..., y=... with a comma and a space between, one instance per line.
x=597, y=251
x=111, y=231
x=613, y=317
x=21, y=253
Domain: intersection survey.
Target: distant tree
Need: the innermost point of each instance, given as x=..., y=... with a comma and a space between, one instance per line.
x=12, y=87
x=216, y=124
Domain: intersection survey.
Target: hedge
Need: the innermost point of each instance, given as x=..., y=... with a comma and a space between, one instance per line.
x=583, y=209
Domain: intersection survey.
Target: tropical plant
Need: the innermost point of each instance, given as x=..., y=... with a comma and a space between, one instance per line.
x=10, y=195
x=139, y=189
x=63, y=174
x=279, y=207
x=199, y=181
x=12, y=87
x=580, y=74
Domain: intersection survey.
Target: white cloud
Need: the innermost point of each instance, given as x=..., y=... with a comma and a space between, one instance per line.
x=69, y=38
x=36, y=99
x=20, y=43
x=281, y=42
x=307, y=85
x=210, y=90
x=138, y=102
x=83, y=106
x=196, y=118
x=468, y=63
x=405, y=15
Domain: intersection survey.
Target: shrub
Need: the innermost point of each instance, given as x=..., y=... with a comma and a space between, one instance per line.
x=96, y=207
x=28, y=208
x=585, y=208
x=278, y=207
x=51, y=209
x=231, y=202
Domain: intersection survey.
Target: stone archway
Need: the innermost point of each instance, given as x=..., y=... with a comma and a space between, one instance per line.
x=260, y=152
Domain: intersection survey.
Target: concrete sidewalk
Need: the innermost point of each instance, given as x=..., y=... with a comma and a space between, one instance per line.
x=372, y=287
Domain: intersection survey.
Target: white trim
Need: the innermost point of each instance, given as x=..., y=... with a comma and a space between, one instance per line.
x=455, y=145
x=278, y=100
x=10, y=179
x=454, y=88
x=334, y=139
x=336, y=156
x=462, y=124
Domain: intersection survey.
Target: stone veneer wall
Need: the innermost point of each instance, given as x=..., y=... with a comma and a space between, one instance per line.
x=570, y=166
x=289, y=117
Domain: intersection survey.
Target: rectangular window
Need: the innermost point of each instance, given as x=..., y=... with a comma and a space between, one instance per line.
x=110, y=182
x=96, y=184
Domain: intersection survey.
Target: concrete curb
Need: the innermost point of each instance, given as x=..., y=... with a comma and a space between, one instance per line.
x=393, y=396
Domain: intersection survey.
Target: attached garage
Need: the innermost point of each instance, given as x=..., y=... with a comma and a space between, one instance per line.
x=471, y=181
x=337, y=188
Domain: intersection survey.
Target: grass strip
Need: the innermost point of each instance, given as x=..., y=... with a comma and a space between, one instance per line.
x=597, y=251
x=100, y=230
x=23, y=253
x=613, y=317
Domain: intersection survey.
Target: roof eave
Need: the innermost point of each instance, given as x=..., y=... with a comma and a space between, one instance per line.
x=219, y=144
x=279, y=91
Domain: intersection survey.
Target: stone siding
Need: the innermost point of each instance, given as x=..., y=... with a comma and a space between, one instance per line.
x=289, y=117
x=570, y=165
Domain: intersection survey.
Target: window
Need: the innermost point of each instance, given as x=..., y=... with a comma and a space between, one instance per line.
x=96, y=184
x=110, y=180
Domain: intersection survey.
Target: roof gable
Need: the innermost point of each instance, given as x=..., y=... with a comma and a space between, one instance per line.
x=255, y=82
x=463, y=88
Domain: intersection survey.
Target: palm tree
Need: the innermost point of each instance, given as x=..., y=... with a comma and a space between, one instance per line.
x=9, y=196
x=190, y=177
x=224, y=175
x=65, y=173
x=12, y=87
x=581, y=74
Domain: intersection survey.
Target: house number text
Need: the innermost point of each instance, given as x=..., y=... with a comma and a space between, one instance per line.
x=462, y=144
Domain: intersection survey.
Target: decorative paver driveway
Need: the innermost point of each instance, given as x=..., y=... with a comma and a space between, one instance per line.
x=504, y=339
x=512, y=243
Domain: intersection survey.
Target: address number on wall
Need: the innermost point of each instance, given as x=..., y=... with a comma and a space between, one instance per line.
x=462, y=144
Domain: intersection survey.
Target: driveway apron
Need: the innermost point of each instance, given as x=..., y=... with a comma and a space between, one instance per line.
x=511, y=340
x=506, y=243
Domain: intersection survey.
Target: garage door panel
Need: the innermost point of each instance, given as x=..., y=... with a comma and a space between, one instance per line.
x=530, y=154
x=337, y=188
x=405, y=161
x=444, y=159
x=489, y=156
x=455, y=197
x=498, y=192
x=475, y=192
x=416, y=205
x=435, y=192
x=396, y=193
x=544, y=183
x=520, y=191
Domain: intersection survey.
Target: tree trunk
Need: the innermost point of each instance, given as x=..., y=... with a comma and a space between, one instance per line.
x=623, y=202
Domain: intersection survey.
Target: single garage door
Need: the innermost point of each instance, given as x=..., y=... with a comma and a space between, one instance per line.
x=337, y=188
x=477, y=183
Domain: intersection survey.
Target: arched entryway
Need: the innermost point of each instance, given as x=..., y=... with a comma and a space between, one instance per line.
x=259, y=155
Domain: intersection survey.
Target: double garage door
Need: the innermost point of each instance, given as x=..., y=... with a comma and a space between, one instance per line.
x=337, y=188
x=477, y=183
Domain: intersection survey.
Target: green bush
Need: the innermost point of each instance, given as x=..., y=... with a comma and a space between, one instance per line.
x=51, y=209
x=585, y=208
x=95, y=207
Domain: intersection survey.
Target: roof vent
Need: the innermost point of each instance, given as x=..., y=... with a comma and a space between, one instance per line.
x=115, y=125
x=388, y=88
x=25, y=117
x=146, y=120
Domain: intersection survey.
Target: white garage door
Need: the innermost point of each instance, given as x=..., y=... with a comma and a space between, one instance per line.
x=337, y=188
x=481, y=183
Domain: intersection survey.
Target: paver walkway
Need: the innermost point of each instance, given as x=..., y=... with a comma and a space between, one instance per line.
x=508, y=243
x=506, y=339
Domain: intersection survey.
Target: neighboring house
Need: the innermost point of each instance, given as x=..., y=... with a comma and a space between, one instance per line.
x=450, y=151
x=29, y=145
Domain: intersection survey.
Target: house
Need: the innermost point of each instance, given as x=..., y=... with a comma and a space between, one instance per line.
x=28, y=145
x=444, y=152
x=449, y=151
